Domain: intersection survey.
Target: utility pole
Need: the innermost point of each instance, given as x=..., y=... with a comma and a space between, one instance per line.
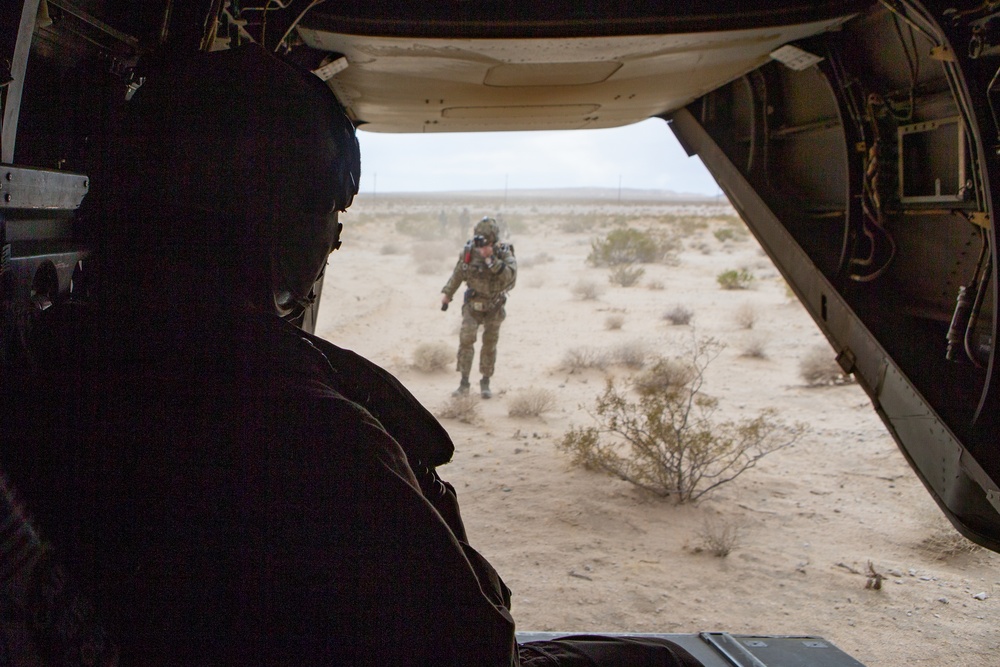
x=505, y=190
x=619, y=188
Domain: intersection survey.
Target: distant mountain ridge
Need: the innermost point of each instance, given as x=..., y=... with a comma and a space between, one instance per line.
x=580, y=193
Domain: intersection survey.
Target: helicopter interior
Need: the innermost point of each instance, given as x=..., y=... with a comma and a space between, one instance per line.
x=858, y=141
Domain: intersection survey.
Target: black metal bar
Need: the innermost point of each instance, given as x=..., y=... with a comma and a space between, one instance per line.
x=818, y=126
x=95, y=22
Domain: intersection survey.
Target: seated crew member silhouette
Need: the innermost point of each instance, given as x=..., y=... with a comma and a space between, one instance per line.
x=226, y=488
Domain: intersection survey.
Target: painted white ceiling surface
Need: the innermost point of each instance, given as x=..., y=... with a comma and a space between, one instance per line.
x=400, y=84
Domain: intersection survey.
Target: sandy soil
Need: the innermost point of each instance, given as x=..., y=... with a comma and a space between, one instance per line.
x=586, y=552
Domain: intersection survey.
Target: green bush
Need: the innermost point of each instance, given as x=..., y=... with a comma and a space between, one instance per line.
x=734, y=230
x=670, y=441
x=734, y=279
x=627, y=246
x=686, y=226
x=626, y=275
x=724, y=234
x=579, y=224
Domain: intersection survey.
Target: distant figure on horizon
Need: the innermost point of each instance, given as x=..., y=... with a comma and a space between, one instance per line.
x=463, y=220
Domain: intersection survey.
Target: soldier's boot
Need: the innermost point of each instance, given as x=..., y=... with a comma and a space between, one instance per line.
x=484, y=388
x=463, y=387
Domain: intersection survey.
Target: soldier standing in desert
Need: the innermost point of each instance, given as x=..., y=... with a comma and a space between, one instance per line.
x=489, y=270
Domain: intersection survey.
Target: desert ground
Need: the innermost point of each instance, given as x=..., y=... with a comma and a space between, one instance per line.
x=583, y=551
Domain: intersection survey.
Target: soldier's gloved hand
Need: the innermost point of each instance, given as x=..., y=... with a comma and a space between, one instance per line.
x=445, y=300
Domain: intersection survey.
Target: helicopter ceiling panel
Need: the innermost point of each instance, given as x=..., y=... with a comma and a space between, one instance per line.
x=405, y=84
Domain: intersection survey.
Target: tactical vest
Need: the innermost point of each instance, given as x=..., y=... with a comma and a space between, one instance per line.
x=483, y=301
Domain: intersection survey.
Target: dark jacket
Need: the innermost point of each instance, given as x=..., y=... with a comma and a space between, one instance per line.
x=240, y=492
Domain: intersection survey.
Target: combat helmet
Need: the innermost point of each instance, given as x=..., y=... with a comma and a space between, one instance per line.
x=489, y=228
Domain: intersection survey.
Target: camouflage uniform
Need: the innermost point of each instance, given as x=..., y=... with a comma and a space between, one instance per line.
x=487, y=281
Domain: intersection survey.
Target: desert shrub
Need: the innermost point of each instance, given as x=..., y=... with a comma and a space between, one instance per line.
x=720, y=535
x=391, y=249
x=464, y=408
x=671, y=443
x=665, y=375
x=656, y=285
x=746, y=315
x=626, y=275
x=733, y=279
x=530, y=403
x=733, y=231
x=627, y=246
x=724, y=234
x=818, y=367
x=678, y=315
x=689, y=225
x=587, y=290
x=581, y=358
x=755, y=346
x=577, y=225
x=633, y=354
x=614, y=322
x=944, y=542
x=418, y=226
x=432, y=357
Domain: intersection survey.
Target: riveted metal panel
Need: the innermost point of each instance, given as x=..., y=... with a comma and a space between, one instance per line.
x=34, y=189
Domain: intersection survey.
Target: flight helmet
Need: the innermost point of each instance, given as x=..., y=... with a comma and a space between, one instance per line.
x=245, y=151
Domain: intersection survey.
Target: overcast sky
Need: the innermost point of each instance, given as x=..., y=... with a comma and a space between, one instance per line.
x=644, y=155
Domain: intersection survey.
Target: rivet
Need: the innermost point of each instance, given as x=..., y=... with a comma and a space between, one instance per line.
x=6, y=197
